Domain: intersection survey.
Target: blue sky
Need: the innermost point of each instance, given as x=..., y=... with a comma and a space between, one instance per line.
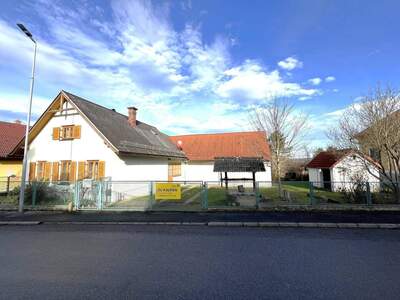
x=200, y=66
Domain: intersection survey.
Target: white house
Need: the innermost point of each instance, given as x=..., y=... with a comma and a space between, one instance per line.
x=201, y=151
x=336, y=170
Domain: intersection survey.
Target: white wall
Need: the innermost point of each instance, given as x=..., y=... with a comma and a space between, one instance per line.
x=204, y=171
x=92, y=147
x=315, y=176
x=351, y=167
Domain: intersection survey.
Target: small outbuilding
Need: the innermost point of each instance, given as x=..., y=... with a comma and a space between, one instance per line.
x=242, y=165
x=339, y=169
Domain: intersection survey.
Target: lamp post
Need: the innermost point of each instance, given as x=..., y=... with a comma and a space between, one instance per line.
x=28, y=121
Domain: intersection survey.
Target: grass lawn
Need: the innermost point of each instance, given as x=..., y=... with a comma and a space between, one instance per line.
x=299, y=193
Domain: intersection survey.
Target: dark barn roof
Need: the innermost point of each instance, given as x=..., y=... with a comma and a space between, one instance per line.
x=239, y=164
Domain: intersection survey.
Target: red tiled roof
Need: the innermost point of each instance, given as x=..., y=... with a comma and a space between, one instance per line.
x=233, y=144
x=327, y=159
x=10, y=135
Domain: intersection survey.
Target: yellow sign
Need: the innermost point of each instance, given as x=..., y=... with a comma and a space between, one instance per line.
x=168, y=191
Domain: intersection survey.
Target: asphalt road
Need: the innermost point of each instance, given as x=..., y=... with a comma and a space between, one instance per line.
x=199, y=262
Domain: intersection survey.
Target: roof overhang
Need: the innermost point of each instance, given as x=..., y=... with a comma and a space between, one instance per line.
x=239, y=164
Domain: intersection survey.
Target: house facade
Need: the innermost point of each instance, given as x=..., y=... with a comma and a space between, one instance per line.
x=76, y=139
x=10, y=135
x=201, y=151
x=340, y=169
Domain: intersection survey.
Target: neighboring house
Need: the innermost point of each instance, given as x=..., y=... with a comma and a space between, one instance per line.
x=76, y=139
x=10, y=135
x=339, y=169
x=202, y=149
x=387, y=127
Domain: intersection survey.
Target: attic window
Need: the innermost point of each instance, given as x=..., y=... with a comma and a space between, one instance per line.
x=66, y=132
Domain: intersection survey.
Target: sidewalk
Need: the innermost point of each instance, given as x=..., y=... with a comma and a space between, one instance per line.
x=352, y=219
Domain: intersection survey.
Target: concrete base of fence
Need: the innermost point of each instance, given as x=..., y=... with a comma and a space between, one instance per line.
x=277, y=208
x=245, y=224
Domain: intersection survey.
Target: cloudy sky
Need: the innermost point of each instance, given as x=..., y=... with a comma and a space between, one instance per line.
x=200, y=66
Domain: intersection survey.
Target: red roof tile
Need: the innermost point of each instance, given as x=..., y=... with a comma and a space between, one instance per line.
x=10, y=135
x=233, y=144
x=327, y=159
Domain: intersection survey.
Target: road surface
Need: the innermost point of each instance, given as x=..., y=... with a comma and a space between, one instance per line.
x=197, y=262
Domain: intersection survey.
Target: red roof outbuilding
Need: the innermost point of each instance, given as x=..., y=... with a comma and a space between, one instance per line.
x=202, y=147
x=10, y=135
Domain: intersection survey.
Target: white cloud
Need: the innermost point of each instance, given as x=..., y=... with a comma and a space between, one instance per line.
x=330, y=79
x=136, y=57
x=304, y=98
x=290, y=63
x=251, y=82
x=315, y=81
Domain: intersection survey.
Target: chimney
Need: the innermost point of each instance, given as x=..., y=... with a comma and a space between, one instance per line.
x=17, y=122
x=132, y=116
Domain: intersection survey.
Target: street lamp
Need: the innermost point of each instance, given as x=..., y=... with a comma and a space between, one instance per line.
x=28, y=121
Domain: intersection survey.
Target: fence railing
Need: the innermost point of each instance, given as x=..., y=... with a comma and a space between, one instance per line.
x=196, y=195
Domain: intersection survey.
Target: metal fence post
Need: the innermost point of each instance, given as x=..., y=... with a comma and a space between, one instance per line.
x=76, y=194
x=8, y=184
x=312, y=199
x=151, y=193
x=369, y=198
x=34, y=190
x=204, y=202
x=258, y=195
x=100, y=195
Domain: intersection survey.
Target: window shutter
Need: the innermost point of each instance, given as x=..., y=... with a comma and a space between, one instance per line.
x=47, y=169
x=54, y=174
x=72, y=171
x=77, y=132
x=101, y=169
x=56, y=133
x=32, y=171
x=81, y=170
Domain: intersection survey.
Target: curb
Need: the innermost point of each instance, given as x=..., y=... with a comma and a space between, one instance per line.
x=20, y=223
x=243, y=224
x=223, y=224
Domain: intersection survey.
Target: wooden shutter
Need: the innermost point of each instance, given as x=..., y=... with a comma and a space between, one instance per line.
x=72, y=171
x=81, y=170
x=101, y=169
x=76, y=134
x=47, y=169
x=55, y=172
x=32, y=171
x=56, y=133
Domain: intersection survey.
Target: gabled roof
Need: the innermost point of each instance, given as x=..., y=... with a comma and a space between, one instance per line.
x=203, y=147
x=238, y=164
x=10, y=135
x=328, y=159
x=142, y=139
x=114, y=128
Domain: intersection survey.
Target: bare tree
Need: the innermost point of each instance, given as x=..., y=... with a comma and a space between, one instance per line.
x=285, y=129
x=372, y=127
